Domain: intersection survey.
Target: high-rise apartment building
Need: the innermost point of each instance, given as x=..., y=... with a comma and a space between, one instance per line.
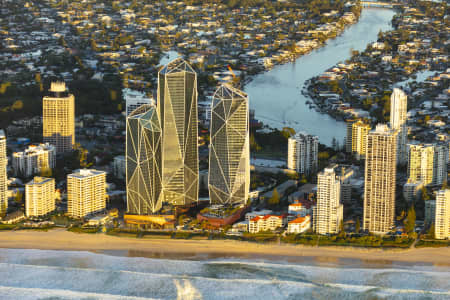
x=143, y=161
x=380, y=178
x=177, y=109
x=86, y=192
x=33, y=160
x=58, y=118
x=39, y=196
x=328, y=212
x=359, y=135
x=303, y=153
x=229, y=152
x=398, y=117
x=442, y=215
x=427, y=163
x=3, y=175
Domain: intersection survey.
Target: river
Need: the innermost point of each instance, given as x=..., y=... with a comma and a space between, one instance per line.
x=276, y=95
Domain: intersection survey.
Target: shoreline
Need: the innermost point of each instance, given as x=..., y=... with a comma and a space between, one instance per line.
x=60, y=239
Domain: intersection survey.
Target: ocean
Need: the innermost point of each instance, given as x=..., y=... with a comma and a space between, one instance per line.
x=52, y=275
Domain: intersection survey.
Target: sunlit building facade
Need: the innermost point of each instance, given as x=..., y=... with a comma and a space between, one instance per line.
x=86, y=192
x=427, y=163
x=143, y=161
x=3, y=175
x=33, y=160
x=359, y=135
x=58, y=118
x=177, y=109
x=303, y=153
x=442, y=215
x=328, y=212
x=398, y=117
x=229, y=152
x=380, y=178
x=39, y=196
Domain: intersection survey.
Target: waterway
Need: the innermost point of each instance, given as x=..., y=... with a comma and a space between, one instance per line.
x=276, y=95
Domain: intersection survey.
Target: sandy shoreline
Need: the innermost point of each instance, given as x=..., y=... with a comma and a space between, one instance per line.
x=60, y=239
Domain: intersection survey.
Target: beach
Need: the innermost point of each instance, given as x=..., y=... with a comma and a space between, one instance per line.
x=60, y=239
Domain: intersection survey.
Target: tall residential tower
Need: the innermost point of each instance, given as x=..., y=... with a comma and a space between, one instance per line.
x=229, y=153
x=58, y=118
x=3, y=175
x=380, y=177
x=177, y=109
x=303, y=153
x=399, y=103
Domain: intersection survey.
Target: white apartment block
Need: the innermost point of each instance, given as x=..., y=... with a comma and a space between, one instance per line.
x=266, y=223
x=39, y=196
x=86, y=192
x=428, y=163
x=299, y=209
x=380, y=178
x=328, y=212
x=299, y=225
x=442, y=215
x=398, y=117
x=34, y=159
x=134, y=99
x=302, y=153
x=3, y=175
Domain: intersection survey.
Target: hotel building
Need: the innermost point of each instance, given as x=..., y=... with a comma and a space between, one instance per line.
x=39, y=196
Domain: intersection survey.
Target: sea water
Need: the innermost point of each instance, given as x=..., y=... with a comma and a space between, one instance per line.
x=44, y=274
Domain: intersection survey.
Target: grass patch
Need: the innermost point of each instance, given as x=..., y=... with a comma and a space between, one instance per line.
x=83, y=230
x=432, y=243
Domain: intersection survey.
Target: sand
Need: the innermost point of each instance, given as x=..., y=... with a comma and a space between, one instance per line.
x=60, y=239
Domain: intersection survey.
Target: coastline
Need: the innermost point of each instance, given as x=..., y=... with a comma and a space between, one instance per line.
x=60, y=239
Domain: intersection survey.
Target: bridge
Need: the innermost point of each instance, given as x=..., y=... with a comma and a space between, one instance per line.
x=379, y=4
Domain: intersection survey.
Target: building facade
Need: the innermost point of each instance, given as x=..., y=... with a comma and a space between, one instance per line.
x=86, y=192
x=177, y=109
x=427, y=163
x=380, y=179
x=119, y=166
x=143, y=161
x=299, y=225
x=229, y=151
x=442, y=215
x=39, y=196
x=3, y=175
x=430, y=212
x=266, y=223
x=134, y=99
x=35, y=159
x=359, y=136
x=58, y=118
x=398, y=117
x=303, y=153
x=328, y=212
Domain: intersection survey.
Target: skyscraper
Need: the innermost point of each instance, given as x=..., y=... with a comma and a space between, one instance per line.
x=33, y=160
x=442, y=216
x=303, y=153
x=177, y=109
x=427, y=163
x=143, y=161
x=229, y=153
x=399, y=103
x=86, y=192
x=58, y=118
x=3, y=175
x=328, y=212
x=359, y=134
x=39, y=196
x=380, y=177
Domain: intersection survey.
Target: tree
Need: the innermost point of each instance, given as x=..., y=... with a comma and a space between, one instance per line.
x=431, y=231
x=425, y=195
x=275, y=199
x=358, y=225
x=410, y=221
x=45, y=172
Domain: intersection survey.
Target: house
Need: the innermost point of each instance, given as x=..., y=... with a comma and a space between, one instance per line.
x=299, y=225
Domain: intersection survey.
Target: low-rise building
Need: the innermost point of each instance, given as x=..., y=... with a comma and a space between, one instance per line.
x=39, y=196
x=266, y=223
x=299, y=225
x=300, y=209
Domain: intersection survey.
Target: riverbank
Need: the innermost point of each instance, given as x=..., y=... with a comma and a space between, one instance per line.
x=60, y=239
